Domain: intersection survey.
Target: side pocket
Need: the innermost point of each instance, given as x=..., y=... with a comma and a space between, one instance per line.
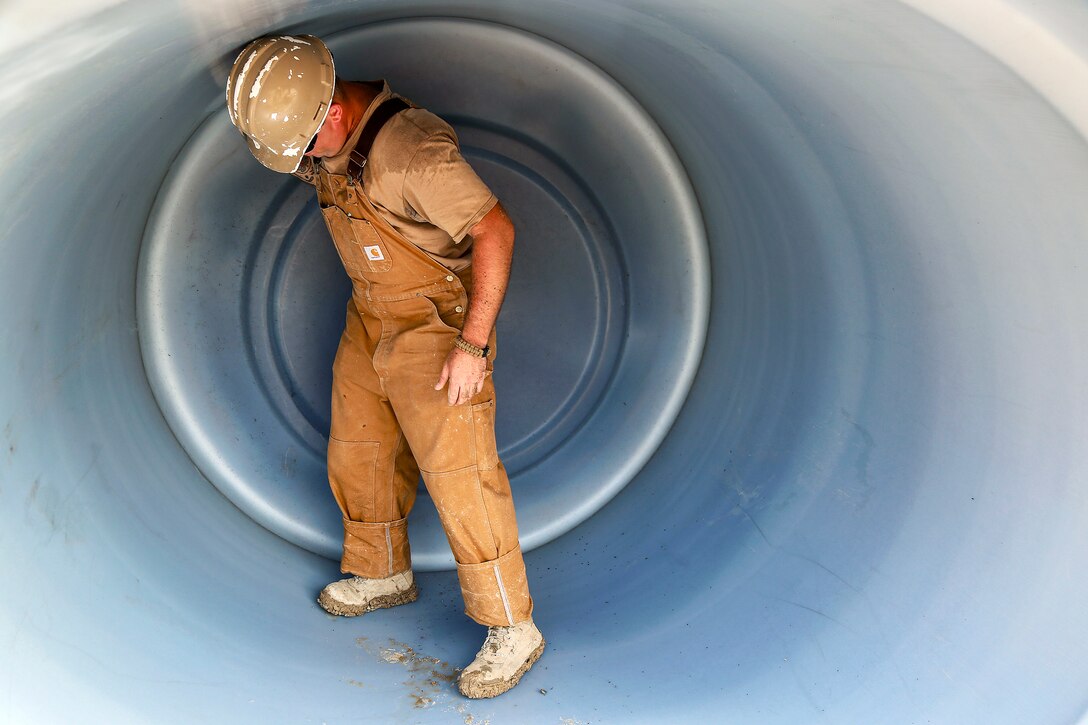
x=483, y=425
x=449, y=306
x=493, y=343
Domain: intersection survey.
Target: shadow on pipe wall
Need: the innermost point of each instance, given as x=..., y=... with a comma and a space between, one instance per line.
x=816, y=450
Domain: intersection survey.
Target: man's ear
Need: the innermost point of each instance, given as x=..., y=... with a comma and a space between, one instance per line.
x=336, y=112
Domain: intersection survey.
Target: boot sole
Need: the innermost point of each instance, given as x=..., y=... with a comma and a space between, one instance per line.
x=342, y=609
x=482, y=690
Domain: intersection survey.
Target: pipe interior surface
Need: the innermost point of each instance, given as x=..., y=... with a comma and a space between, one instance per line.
x=792, y=373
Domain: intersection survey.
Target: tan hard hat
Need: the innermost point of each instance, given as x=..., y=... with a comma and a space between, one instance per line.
x=278, y=94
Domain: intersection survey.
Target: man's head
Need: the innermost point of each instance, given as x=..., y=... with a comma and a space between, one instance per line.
x=334, y=132
x=279, y=93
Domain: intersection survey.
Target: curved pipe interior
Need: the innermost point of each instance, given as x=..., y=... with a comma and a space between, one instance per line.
x=869, y=506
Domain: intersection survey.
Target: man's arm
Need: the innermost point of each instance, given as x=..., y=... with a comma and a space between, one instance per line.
x=492, y=252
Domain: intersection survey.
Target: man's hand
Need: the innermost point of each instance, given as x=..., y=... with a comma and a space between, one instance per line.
x=492, y=249
x=465, y=374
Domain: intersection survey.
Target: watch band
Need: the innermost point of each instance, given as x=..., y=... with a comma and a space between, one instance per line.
x=462, y=344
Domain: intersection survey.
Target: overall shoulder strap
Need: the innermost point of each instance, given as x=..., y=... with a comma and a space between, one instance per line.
x=388, y=108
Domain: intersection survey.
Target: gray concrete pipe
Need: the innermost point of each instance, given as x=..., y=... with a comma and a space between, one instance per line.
x=792, y=374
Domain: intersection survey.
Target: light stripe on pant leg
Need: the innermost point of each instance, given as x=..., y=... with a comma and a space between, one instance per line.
x=496, y=593
x=389, y=548
x=502, y=593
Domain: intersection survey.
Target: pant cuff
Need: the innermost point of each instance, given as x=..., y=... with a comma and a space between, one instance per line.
x=376, y=550
x=496, y=592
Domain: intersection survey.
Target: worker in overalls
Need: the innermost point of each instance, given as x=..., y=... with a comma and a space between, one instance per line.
x=427, y=247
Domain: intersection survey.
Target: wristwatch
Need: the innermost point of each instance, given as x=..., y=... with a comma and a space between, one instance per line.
x=462, y=344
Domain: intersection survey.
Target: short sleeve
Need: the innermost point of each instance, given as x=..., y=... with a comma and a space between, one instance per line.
x=443, y=189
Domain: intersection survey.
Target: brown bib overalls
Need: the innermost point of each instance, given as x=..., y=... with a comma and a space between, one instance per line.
x=389, y=424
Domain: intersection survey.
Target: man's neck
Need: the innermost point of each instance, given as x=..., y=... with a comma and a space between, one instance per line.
x=357, y=99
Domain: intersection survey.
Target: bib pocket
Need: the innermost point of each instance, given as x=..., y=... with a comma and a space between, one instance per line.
x=358, y=243
x=373, y=248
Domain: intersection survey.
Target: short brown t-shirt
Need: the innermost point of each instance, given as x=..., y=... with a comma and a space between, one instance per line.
x=420, y=183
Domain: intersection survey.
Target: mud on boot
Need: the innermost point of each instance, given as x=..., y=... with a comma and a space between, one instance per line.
x=507, y=654
x=358, y=595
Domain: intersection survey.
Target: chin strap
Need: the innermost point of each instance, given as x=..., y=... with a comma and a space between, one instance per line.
x=306, y=171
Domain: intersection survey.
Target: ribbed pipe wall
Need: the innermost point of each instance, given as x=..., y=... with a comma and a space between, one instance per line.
x=855, y=492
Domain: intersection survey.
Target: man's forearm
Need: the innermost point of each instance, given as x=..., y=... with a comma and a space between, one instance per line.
x=492, y=252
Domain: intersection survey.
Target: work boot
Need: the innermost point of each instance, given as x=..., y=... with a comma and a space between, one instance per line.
x=507, y=654
x=358, y=595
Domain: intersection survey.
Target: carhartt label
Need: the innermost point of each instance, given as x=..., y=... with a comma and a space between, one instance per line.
x=374, y=254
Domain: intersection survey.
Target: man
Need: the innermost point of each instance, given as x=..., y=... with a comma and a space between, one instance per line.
x=416, y=230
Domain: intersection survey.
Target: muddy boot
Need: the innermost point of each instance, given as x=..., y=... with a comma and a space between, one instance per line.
x=507, y=654
x=356, y=595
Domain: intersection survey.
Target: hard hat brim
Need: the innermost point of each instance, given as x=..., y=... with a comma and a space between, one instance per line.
x=277, y=162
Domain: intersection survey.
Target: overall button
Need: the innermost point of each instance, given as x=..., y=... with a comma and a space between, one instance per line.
x=458, y=308
x=449, y=277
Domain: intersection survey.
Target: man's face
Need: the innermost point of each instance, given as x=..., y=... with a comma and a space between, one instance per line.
x=331, y=136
